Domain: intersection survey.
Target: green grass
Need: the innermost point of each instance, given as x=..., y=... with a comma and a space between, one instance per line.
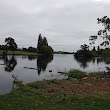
x=74, y=73
x=18, y=53
x=27, y=99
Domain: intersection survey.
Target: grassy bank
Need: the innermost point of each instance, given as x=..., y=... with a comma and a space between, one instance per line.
x=18, y=53
x=25, y=99
x=89, y=94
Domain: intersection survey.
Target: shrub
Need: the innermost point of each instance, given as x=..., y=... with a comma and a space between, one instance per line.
x=76, y=74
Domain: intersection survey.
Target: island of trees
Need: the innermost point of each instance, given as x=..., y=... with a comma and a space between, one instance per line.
x=104, y=34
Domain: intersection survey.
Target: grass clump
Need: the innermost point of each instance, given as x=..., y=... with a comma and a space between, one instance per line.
x=94, y=74
x=38, y=84
x=74, y=73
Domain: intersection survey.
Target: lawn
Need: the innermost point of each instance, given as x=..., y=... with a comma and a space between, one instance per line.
x=18, y=53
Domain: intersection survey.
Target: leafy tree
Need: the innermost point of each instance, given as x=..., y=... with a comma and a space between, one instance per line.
x=10, y=44
x=47, y=50
x=39, y=45
x=85, y=47
x=83, y=53
x=94, y=48
x=44, y=41
x=103, y=33
x=43, y=47
x=98, y=48
x=31, y=49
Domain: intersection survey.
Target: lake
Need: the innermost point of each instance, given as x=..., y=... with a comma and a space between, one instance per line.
x=31, y=68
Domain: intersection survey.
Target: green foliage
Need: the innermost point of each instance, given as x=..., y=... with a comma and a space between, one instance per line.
x=100, y=51
x=44, y=41
x=39, y=45
x=95, y=54
x=38, y=84
x=42, y=46
x=47, y=50
x=98, y=48
x=94, y=74
x=106, y=53
x=103, y=33
x=76, y=74
x=85, y=47
x=32, y=49
x=10, y=44
x=83, y=53
x=94, y=48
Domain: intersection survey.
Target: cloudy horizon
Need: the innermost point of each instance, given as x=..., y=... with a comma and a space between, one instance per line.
x=65, y=24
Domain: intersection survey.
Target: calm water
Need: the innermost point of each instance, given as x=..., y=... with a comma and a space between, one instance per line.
x=56, y=63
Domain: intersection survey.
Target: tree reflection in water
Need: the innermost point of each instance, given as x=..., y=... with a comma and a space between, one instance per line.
x=83, y=61
x=84, y=64
x=42, y=62
x=30, y=57
x=9, y=63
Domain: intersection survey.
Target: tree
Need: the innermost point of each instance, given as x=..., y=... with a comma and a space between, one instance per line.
x=85, y=47
x=44, y=41
x=31, y=49
x=94, y=48
x=103, y=33
x=43, y=47
x=98, y=48
x=39, y=45
x=47, y=50
x=10, y=44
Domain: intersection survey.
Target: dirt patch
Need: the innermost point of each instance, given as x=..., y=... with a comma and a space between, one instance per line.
x=87, y=86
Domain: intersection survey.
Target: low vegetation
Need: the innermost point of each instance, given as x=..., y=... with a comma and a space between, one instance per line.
x=84, y=94
x=76, y=74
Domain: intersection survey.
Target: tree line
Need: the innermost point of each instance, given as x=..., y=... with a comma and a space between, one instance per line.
x=42, y=46
x=103, y=33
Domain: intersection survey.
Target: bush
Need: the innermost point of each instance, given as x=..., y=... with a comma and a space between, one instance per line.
x=76, y=74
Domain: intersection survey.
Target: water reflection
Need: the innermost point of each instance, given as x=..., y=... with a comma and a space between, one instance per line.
x=30, y=58
x=42, y=63
x=84, y=61
x=10, y=63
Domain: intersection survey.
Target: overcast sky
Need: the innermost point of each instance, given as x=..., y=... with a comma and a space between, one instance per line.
x=65, y=23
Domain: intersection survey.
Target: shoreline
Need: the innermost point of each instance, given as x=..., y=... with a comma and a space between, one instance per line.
x=92, y=94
